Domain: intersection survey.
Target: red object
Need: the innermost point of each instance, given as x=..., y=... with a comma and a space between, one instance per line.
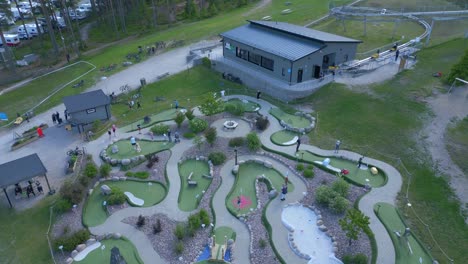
x=40, y=133
x=344, y=171
x=245, y=202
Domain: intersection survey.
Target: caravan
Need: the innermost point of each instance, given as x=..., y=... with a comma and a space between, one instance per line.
x=16, y=15
x=12, y=40
x=31, y=30
x=77, y=14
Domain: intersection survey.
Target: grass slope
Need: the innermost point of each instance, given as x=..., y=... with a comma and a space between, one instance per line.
x=126, y=248
x=190, y=196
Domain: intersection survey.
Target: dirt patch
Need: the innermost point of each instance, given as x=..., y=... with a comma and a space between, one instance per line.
x=259, y=6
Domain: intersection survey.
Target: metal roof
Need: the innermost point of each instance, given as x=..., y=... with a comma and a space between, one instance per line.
x=292, y=48
x=21, y=169
x=81, y=102
x=301, y=31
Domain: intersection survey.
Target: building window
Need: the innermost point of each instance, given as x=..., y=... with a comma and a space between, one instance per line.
x=269, y=64
x=254, y=58
x=243, y=54
x=91, y=110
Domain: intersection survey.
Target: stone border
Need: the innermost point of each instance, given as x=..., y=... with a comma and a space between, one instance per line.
x=115, y=162
x=300, y=130
x=90, y=242
x=202, y=158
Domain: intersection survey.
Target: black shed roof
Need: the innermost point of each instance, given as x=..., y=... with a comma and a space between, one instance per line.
x=21, y=169
x=81, y=102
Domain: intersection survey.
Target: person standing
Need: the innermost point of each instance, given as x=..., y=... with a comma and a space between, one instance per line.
x=138, y=105
x=65, y=113
x=239, y=202
x=114, y=128
x=298, y=142
x=360, y=162
x=337, y=146
x=169, y=135
x=54, y=119
x=284, y=191
x=133, y=142
x=258, y=95
x=109, y=133
x=139, y=129
x=57, y=116
x=397, y=53
x=176, y=104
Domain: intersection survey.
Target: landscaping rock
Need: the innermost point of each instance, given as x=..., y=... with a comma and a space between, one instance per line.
x=80, y=247
x=69, y=261
x=268, y=164
x=319, y=222
x=100, y=237
x=115, y=149
x=134, y=159
x=323, y=228
x=117, y=236
x=106, y=190
x=123, y=178
x=235, y=169
x=114, y=162
x=272, y=194
x=74, y=253
x=125, y=162
x=90, y=241
x=141, y=157
x=115, y=178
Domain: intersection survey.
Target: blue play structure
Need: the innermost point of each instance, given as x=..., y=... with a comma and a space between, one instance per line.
x=227, y=255
x=205, y=255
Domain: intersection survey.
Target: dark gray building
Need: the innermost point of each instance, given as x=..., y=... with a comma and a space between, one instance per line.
x=291, y=53
x=85, y=108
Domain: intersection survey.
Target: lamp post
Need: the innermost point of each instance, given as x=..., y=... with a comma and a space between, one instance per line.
x=235, y=155
x=61, y=249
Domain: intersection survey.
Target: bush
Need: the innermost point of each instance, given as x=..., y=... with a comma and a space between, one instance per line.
x=179, y=247
x=90, y=170
x=179, y=119
x=72, y=192
x=262, y=243
x=189, y=114
x=129, y=174
x=141, y=175
x=62, y=206
x=198, y=125
x=159, y=129
x=141, y=221
x=217, y=158
x=179, y=231
x=204, y=217
x=262, y=123
x=157, y=228
x=253, y=142
x=324, y=195
x=341, y=187
x=300, y=167
x=189, y=135
x=152, y=159
x=193, y=224
x=117, y=196
x=236, y=142
x=206, y=62
x=210, y=135
x=339, y=204
x=234, y=109
x=69, y=243
x=308, y=173
x=459, y=70
x=84, y=181
x=105, y=169
x=356, y=259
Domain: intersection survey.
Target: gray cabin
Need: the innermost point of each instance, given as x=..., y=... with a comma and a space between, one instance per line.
x=85, y=108
x=291, y=53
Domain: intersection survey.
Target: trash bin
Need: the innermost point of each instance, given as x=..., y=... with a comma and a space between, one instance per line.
x=143, y=81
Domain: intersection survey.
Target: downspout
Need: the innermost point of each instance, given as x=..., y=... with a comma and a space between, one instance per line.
x=290, y=73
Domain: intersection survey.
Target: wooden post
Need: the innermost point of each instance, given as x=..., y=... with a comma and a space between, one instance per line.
x=8, y=198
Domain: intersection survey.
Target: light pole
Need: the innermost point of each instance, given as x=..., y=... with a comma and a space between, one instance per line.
x=235, y=155
x=61, y=249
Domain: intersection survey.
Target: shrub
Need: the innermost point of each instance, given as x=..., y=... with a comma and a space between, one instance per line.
x=339, y=204
x=152, y=158
x=300, y=167
x=204, y=217
x=262, y=123
x=129, y=174
x=189, y=135
x=234, y=109
x=72, y=192
x=141, y=174
x=236, y=142
x=117, y=196
x=217, y=158
x=308, y=173
x=90, y=170
x=141, y=221
x=84, y=181
x=194, y=221
x=157, y=228
x=341, y=187
x=105, y=169
x=262, y=243
x=179, y=247
x=211, y=106
x=69, y=243
x=62, y=206
x=198, y=125
x=459, y=70
x=324, y=195
x=189, y=114
x=310, y=167
x=160, y=129
x=356, y=259
x=179, y=231
x=206, y=62
x=210, y=135
x=179, y=119
x=253, y=142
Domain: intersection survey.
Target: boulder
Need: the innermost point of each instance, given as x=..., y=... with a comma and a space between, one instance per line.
x=134, y=159
x=116, y=236
x=69, y=261
x=141, y=157
x=90, y=241
x=74, y=253
x=319, y=222
x=302, y=130
x=123, y=178
x=106, y=190
x=267, y=164
x=258, y=160
x=80, y=247
x=272, y=194
x=114, y=162
x=323, y=228
x=115, y=148
x=115, y=178
x=125, y=162
x=235, y=169
x=100, y=237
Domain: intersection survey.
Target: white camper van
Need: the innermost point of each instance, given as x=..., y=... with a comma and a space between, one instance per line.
x=31, y=30
x=77, y=14
x=16, y=15
x=12, y=40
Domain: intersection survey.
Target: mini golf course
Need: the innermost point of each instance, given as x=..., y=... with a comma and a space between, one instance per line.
x=284, y=138
x=156, y=118
x=190, y=196
x=292, y=120
x=126, y=150
x=151, y=192
x=408, y=249
x=355, y=175
x=245, y=186
x=247, y=106
x=99, y=255
x=222, y=232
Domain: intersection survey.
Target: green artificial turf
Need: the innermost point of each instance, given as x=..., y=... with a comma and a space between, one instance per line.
x=189, y=197
x=457, y=143
x=293, y=120
x=222, y=232
x=245, y=184
x=283, y=136
x=126, y=150
x=389, y=216
x=155, y=118
x=126, y=248
x=249, y=106
x=94, y=214
x=355, y=174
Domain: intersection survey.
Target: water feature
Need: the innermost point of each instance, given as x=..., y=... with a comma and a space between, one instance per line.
x=307, y=236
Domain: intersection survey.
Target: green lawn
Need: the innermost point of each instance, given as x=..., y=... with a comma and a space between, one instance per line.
x=405, y=254
x=382, y=123
x=126, y=248
x=155, y=118
x=355, y=174
x=293, y=120
x=94, y=214
x=22, y=238
x=31, y=94
x=249, y=106
x=222, y=232
x=190, y=196
x=127, y=151
x=245, y=185
x=457, y=143
x=280, y=137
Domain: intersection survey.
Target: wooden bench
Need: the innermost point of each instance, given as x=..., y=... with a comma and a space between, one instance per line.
x=207, y=176
x=192, y=183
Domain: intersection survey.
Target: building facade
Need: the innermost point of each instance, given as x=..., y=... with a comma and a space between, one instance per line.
x=291, y=53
